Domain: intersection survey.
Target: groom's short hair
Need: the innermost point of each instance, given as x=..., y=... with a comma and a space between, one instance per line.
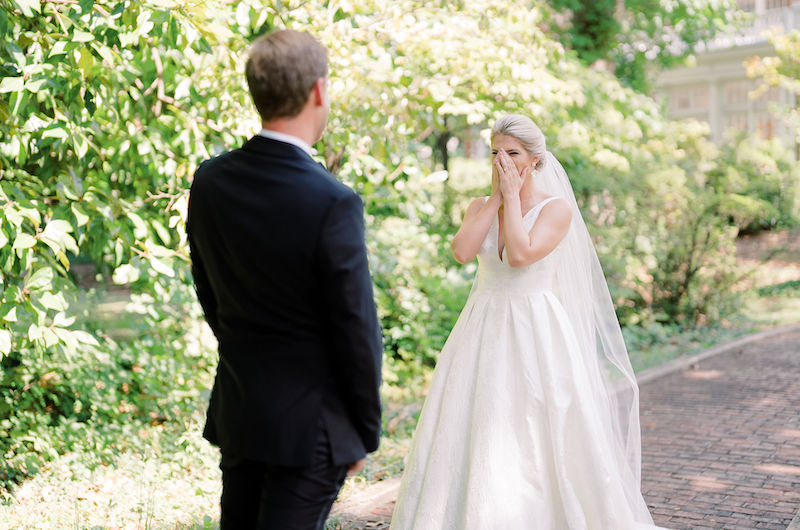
x=281, y=71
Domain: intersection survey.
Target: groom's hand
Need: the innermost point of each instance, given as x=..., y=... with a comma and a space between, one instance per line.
x=356, y=466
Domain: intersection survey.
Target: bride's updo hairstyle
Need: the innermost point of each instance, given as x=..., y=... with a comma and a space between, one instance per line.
x=523, y=129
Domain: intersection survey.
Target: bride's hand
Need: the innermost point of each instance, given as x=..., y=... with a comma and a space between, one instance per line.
x=496, y=189
x=510, y=179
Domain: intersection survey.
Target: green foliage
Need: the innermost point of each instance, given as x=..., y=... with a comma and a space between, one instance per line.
x=639, y=36
x=662, y=33
x=758, y=185
x=593, y=27
x=790, y=288
x=106, y=108
x=96, y=399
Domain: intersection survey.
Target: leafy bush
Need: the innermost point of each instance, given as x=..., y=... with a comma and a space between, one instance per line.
x=102, y=123
x=758, y=183
x=96, y=399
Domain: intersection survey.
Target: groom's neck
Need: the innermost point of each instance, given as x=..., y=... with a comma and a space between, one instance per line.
x=300, y=126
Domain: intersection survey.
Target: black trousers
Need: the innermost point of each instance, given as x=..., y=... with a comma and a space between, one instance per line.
x=260, y=496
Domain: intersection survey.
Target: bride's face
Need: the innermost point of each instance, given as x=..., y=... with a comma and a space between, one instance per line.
x=514, y=149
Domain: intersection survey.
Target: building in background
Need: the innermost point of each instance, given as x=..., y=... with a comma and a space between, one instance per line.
x=717, y=90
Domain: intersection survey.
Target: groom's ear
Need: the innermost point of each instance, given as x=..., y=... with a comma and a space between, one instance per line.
x=319, y=92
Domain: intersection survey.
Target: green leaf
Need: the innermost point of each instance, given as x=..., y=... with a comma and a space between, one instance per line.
x=63, y=259
x=54, y=301
x=161, y=267
x=82, y=36
x=56, y=236
x=5, y=341
x=86, y=6
x=66, y=338
x=243, y=15
x=80, y=215
x=88, y=99
x=29, y=6
x=65, y=189
x=182, y=90
x=61, y=319
x=36, y=85
x=162, y=232
x=64, y=243
x=3, y=239
x=128, y=38
x=32, y=214
x=139, y=226
x=86, y=61
x=49, y=336
x=5, y=113
x=58, y=225
x=41, y=279
x=104, y=51
x=81, y=146
x=118, y=252
x=13, y=216
x=125, y=274
x=84, y=338
x=35, y=332
x=3, y=23
x=56, y=132
x=59, y=48
x=55, y=246
x=17, y=53
x=12, y=84
x=11, y=316
x=23, y=241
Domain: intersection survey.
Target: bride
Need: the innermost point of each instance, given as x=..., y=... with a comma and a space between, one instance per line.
x=532, y=418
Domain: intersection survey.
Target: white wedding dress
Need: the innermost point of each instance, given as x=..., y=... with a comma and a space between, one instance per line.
x=510, y=436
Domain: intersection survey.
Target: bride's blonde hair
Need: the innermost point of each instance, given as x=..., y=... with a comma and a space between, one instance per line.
x=523, y=129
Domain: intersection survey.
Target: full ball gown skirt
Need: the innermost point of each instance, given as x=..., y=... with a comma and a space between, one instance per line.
x=509, y=437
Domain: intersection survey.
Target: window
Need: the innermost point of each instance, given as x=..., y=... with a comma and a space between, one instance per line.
x=736, y=120
x=747, y=5
x=736, y=92
x=680, y=98
x=693, y=97
x=771, y=95
x=776, y=4
x=766, y=125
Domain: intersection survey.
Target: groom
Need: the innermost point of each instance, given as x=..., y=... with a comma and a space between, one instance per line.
x=280, y=268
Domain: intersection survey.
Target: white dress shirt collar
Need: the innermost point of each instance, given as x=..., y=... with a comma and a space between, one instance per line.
x=287, y=138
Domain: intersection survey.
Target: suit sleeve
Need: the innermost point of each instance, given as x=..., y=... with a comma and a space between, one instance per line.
x=201, y=283
x=352, y=319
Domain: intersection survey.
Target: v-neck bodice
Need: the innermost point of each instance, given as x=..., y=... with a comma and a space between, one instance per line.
x=494, y=273
x=535, y=210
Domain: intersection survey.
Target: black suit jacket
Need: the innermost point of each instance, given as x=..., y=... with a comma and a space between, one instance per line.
x=280, y=267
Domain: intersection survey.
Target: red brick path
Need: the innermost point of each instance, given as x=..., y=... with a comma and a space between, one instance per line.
x=720, y=442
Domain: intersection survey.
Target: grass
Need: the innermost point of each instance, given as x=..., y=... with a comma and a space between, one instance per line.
x=173, y=482
x=761, y=309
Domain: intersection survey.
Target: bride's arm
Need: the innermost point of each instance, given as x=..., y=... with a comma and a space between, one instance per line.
x=477, y=220
x=523, y=248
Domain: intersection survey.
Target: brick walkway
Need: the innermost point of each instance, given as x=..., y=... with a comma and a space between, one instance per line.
x=720, y=444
